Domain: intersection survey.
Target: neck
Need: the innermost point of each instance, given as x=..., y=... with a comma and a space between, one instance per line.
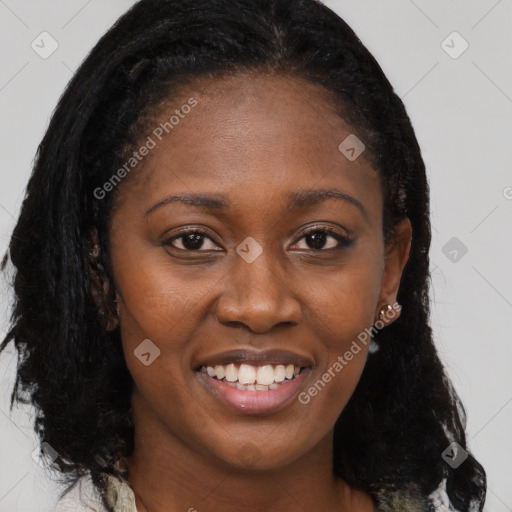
x=168, y=475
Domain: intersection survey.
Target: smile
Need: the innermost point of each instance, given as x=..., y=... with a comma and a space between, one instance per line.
x=251, y=389
x=253, y=378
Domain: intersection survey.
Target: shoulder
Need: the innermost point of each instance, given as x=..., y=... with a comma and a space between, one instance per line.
x=440, y=499
x=83, y=497
x=119, y=495
x=411, y=499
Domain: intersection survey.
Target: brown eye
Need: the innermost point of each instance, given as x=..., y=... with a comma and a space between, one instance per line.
x=318, y=237
x=191, y=241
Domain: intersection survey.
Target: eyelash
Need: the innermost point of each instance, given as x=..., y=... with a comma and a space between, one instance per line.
x=344, y=241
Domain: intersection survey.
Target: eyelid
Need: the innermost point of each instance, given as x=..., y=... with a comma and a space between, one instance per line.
x=344, y=240
x=324, y=227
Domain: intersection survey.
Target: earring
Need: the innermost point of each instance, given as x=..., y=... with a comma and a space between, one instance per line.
x=373, y=346
x=384, y=312
x=385, y=309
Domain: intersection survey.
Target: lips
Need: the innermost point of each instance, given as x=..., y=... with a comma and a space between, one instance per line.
x=254, y=382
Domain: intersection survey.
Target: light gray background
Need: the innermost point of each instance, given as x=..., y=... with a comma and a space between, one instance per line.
x=461, y=109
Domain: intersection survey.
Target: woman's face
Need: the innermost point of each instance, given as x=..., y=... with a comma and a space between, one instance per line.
x=254, y=292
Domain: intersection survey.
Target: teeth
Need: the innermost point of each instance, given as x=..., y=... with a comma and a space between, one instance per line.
x=279, y=373
x=253, y=378
x=247, y=374
x=231, y=372
x=219, y=371
x=265, y=375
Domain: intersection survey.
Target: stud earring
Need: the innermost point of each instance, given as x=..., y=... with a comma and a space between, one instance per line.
x=389, y=312
x=385, y=309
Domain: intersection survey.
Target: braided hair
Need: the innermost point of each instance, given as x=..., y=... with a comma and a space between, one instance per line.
x=404, y=411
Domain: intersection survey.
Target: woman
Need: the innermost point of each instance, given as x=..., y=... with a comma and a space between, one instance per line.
x=222, y=273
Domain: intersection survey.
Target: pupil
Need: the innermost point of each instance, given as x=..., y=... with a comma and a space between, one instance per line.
x=193, y=241
x=317, y=238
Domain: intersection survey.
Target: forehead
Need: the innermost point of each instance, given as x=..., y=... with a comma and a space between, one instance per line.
x=251, y=134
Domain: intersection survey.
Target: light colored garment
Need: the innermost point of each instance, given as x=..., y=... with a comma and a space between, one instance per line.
x=85, y=498
x=119, y=496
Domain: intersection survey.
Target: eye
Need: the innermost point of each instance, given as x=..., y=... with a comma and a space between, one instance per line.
x=193, y=240
x=317, y=238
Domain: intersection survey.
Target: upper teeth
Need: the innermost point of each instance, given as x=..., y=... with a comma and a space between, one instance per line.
x=248, y=374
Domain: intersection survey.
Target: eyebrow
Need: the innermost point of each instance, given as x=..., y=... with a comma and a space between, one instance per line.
x=298, y=199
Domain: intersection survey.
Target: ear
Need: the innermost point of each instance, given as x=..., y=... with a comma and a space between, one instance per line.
x=395, y=257
x=101, y=291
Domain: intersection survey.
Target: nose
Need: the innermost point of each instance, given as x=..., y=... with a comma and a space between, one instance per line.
x=258, y=296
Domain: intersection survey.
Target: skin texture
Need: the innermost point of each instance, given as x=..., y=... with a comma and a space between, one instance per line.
x=254, y=138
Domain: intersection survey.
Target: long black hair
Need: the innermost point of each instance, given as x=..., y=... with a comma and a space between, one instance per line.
x=404, y=411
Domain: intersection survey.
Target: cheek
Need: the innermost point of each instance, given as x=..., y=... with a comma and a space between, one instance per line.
x=155, y=306
x=343, y=303
x=158, y=314
x=333, y=382
x=157, y=300
x=341, y=311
